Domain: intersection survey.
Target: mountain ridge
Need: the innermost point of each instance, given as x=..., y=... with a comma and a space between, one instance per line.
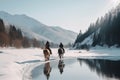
x=50, y=33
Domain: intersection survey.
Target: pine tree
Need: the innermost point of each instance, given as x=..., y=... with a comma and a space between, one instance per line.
x=2, y=27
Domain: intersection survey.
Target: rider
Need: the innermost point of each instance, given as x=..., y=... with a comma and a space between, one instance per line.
x=47, y=46
x=61, y=51
x=62, y=47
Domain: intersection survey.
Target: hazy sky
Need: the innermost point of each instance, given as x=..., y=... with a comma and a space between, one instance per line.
x=73, y=15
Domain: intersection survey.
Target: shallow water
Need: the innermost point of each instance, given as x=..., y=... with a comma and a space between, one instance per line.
x=81, y=69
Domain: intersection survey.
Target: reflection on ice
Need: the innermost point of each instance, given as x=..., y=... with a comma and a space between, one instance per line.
x=104, y=68
x=61, y=66
x=81, y=69
x=47, y=70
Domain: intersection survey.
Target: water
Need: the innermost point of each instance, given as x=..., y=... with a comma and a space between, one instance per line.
x=80, y=69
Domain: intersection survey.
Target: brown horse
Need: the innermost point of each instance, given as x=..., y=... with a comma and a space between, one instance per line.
x=46, y=54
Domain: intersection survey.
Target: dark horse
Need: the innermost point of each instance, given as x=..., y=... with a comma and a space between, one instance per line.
x=46, y=54
x=61, y=51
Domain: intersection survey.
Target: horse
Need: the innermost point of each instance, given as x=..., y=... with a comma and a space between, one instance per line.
x=46, y=54
x=61, y=52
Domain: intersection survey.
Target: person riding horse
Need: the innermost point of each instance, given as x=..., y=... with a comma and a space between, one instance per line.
x=47, y=51
x=61, y=50
x=47, y=46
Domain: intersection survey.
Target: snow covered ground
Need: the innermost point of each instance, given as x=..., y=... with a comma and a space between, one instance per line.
x=16, y=64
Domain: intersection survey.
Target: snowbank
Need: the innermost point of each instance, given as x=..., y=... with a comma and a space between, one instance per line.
x=12, y=62
x=102, y=53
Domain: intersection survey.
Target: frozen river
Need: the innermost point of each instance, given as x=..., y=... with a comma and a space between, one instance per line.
x=29, y=64
x=78, y=69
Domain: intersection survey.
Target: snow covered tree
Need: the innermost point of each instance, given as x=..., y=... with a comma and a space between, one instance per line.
x=106, y=30
x=2, y=27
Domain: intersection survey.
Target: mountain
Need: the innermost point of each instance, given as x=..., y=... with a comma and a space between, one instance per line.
x=105, y=32
x=35, y=29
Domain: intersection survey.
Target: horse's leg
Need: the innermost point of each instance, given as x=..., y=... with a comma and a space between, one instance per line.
x=46, y=57
x=44, y=51
x=60, y=56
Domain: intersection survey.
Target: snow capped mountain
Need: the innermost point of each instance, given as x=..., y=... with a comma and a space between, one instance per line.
x=33, y=28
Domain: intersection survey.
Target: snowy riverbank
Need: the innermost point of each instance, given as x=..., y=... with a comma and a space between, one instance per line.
x=16, y=64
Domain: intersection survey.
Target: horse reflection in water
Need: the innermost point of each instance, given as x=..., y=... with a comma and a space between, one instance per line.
x=61, y=66
x=47, y=70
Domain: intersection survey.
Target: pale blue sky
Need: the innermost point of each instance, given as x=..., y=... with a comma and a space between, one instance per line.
x=73, y=15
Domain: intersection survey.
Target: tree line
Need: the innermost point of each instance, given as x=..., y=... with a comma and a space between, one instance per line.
x=13, y=37
x=106, y=30
x=10, y=36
